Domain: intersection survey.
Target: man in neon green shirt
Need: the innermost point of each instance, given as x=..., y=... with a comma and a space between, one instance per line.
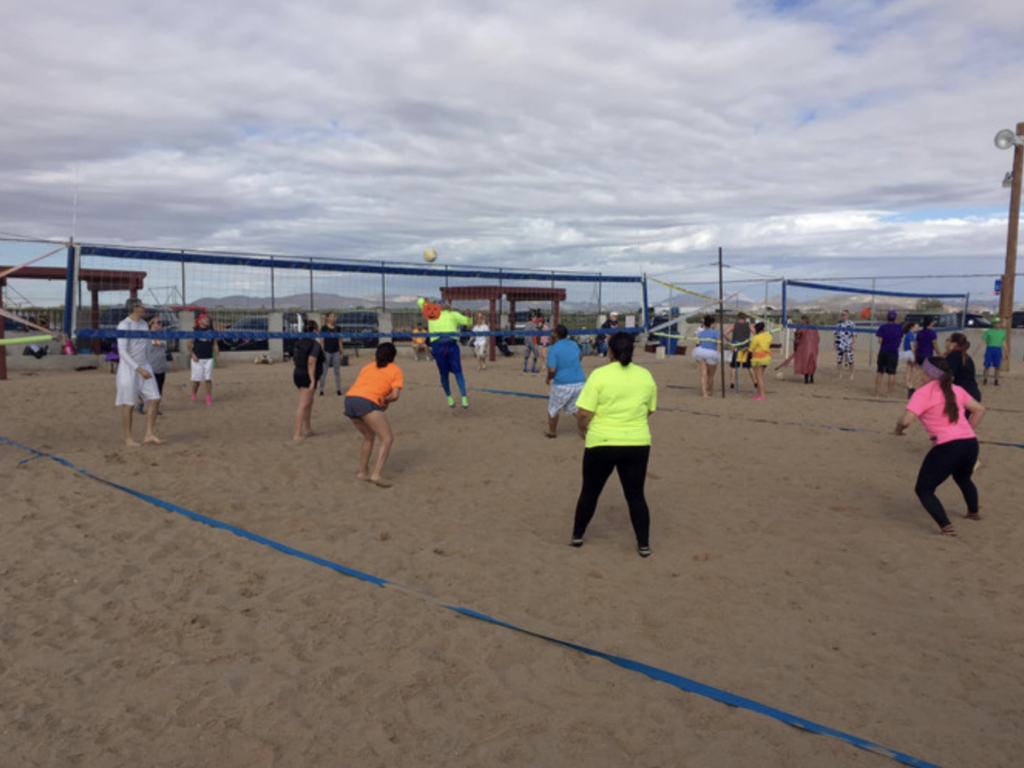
x=995, y=340
x=441, y=318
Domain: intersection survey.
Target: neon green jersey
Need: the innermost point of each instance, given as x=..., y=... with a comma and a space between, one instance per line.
x=994, y=337
x=620, y=397
x=448, y=322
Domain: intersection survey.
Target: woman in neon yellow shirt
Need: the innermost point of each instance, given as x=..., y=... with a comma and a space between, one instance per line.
x=612, y=412
x=760, y=357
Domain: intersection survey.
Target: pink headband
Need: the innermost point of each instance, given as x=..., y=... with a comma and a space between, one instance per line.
x=932, y=370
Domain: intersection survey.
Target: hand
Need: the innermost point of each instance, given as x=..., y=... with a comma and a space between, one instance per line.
x=144, y=373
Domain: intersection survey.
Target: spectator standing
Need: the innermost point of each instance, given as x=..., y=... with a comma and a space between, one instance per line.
x=891, y=334
x=844, y=341
x=995, y=343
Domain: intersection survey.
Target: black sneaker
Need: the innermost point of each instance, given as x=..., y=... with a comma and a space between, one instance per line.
x=643, y=551
x=577, y=541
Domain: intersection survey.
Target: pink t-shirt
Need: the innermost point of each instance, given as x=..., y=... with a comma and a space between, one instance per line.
x=929, y=404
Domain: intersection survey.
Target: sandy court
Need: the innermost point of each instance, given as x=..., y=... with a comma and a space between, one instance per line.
x=792, y=565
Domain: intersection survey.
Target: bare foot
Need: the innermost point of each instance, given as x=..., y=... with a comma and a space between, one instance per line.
x=297, y=437
x=380, y=482
x=152, y=440
x=361, y=476
x=309, y=433
x=131, y=443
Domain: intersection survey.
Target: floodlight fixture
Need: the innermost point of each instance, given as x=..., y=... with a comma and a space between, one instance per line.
x=1007, y=138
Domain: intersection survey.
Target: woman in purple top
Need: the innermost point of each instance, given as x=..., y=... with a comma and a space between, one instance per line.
x=926, y=340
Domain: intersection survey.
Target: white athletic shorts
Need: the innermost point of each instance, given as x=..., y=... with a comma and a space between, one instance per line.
x=202, y=370
x=480, y=350
x=130, y=385
x=705, y=355
x=563, y=398
x=907, y=355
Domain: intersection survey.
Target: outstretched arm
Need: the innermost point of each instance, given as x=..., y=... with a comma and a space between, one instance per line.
x=905, y=421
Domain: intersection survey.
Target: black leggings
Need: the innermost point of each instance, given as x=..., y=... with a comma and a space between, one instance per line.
x=631, y=463
x=956, y=458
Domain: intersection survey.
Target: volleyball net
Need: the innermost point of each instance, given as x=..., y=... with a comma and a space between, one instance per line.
x=868, y=304
x=254, y=299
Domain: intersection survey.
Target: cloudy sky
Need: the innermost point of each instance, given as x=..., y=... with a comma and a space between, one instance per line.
x=807, y=138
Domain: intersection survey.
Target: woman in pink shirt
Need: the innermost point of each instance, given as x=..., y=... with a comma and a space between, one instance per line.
x=940, y=405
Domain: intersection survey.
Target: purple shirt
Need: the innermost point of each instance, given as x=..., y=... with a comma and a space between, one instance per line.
x=891, y=335
x=926, y=342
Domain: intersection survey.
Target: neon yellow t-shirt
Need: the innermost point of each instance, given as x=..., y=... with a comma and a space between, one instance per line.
x=448, y=322
x=620, y=397
x=761, y=349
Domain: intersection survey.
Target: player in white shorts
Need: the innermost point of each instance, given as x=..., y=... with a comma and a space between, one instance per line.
x=134, y=375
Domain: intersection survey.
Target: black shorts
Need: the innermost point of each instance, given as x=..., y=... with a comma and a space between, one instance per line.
x=887, y=362
x=357, y=407
x=301, y=378
x=744, y=364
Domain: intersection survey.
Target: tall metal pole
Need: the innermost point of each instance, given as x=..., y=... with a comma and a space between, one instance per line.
x=721, y=321
x=1006, y=297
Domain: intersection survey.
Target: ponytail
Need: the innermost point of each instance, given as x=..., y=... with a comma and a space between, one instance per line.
x=951, y=409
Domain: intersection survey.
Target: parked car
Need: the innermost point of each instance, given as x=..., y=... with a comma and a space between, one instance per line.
x=14, y=325
x=359, y=321
x=1017, y=321
x=943, y=320
x=260, y=324
x=522, y=325
x=112, y=316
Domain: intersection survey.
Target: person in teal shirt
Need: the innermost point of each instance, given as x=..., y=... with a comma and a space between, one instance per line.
x=565, y=375
x=441, y=318
x=995, y=340
x=612, y=413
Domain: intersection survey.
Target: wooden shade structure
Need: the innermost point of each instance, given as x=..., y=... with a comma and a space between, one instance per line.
x=96, y=280
x=495, y=293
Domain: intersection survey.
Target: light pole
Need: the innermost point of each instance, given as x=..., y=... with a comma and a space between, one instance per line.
x=1004, y=140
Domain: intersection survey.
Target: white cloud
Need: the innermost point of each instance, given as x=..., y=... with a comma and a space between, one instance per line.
x=570, y=134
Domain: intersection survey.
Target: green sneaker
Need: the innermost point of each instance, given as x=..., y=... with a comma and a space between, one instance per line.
x=451, y=401
x=465, y=402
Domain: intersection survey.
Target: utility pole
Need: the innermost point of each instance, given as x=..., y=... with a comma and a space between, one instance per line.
x=1004, y=140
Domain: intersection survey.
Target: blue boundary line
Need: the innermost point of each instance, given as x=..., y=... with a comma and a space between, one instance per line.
x=654, y=673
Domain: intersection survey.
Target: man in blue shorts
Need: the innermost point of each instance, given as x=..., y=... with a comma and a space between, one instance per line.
x=995, y=340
